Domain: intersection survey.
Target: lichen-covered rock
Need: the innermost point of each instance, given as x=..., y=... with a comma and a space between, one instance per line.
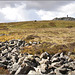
x=18, y=63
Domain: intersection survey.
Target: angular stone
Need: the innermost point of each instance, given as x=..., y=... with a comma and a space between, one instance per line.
x=24, y=70
x=45, y=55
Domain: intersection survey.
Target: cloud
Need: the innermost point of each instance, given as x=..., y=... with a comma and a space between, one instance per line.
x=18, y=13
x=63, y=11
x=46, y=5
x=11, y=11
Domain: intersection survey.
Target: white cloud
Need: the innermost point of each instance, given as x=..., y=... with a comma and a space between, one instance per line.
x=13, y=14
x=45, y=15
x=62, y=12
x=68, y=9
x=18, y=13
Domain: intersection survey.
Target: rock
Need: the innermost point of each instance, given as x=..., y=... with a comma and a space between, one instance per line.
x=55, y=60
x=43, y=61
x=14, y=50
x=44, y=71
x=14, y=68
x=4, y=66
x=55, y=64
x=31, y=72
x=63, y=71
x=37, y=59
x=13, y=59
x=5, y=62
x=5, y=51
x=34, y=43
x=71, y=73
x=20, y=60
x=19, y=43
x=24, y=63
x=38, y=70
x=38, y=42
x=44, y=55
x=30, y=43
x=24, y=70
x=51, y=68
x=56, y=55
x=70, y=60
x=62, y=54
x=43, y=66
x=69, y=53
x=57, y=72
x=18, y=71
x=0, y=44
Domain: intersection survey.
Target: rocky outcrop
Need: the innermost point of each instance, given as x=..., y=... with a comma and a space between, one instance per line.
x=65, y=18
x=18, y=63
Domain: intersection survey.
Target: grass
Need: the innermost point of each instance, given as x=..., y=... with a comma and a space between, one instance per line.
x=48, y=31
x=62, y=33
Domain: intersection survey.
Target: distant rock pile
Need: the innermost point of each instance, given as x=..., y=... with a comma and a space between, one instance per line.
x=17, y=63
x=65, y=18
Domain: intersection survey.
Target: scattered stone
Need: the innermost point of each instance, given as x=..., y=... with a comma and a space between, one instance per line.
x=18, y=63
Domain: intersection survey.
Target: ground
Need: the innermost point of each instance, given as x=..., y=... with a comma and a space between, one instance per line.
x=59, y=32
x=51, y=31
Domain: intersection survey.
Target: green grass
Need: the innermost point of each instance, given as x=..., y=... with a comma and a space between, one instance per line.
x=39, y=24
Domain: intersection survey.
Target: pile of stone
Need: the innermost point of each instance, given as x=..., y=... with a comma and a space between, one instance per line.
x=17, y=63
x=65, y=18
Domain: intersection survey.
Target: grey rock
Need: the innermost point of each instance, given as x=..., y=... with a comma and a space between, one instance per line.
x=34, y=43
x=24, y=70
x=63, y=71
x=56, y=55
x=55, y=60
x=44, y=55
x=14, y=68
x=31, y=72
x=71, y=73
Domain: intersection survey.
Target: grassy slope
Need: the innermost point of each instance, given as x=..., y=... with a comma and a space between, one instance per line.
x=48, y=31
x=39, y=24
x=53, y=31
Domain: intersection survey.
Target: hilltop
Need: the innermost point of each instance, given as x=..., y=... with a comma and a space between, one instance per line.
x=52, y=31
x=33, y=39
x=65, y=18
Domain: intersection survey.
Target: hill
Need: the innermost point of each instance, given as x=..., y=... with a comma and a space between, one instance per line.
x=38, y=24
x=65, y=18
x=52, y=31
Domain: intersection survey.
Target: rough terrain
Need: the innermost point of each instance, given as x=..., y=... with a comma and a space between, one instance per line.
x=15, y=62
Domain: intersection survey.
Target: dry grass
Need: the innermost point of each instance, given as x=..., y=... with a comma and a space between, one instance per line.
x=48, y=32
x=56, y=35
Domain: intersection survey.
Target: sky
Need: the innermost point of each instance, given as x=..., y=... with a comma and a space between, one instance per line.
x=16, y=10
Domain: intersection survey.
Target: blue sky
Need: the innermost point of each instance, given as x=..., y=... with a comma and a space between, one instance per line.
x=13, y=11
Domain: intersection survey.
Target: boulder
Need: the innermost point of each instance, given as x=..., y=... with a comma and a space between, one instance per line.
x=45, y=55
x=14, y=68
x=56, y=55
x=55, y=60
x=24, y=70
x=31, y=72
x=63, y=71
x=71, y=73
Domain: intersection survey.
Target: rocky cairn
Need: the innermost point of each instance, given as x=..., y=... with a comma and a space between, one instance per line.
x=17, y=63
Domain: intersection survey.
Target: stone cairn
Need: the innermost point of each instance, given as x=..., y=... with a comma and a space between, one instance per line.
x=17, y=63
x=65, y=18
